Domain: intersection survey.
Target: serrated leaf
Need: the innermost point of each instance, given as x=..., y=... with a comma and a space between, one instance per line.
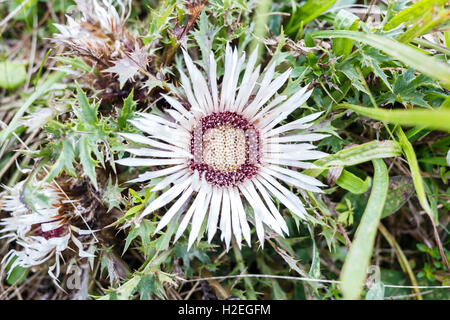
x=87, y=113
x=112, y=195
x=64, y=161
x=128, y=66
x=129, y=106
x=144, y=231
x=86, y=159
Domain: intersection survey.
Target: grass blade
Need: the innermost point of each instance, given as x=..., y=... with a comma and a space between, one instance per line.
x=46, y=86
x=429, y=66
x=433, y=119
x=410, y=155
x=358, y=259
x=412, y=13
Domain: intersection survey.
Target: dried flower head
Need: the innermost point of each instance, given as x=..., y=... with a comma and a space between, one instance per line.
x=102, y=40
x=44, y=222
x=224, y=147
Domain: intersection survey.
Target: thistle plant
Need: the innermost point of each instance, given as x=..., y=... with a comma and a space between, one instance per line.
x=224, y=149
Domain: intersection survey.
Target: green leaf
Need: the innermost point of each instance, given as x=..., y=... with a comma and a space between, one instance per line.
x=410, y=155
x=88, y=113
x=412, y=13
x=356, y=155
x=429, y=118
x=352, y=183
x=112, y=195
x=129, y=106
x=12, y=74
x=144, y=231
x=26, y=13
x=409, y=55
x=45, y=87
x=400, y=191
x=344, y=20
x=17, y=275
x=146, y=286
x=86, y=159
x=307, y=13
x=75, y=63
x=358, y=258
x=376, y=292
x=64, y=161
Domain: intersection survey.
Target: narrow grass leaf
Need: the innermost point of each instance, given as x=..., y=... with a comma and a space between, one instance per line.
x=410, y=155
x=358, y=258
x=409, y=55
x=46, y=86
x=412, y=13
x=433, y=119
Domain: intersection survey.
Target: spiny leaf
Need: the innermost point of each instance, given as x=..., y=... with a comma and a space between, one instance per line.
x=86, y=159
x=88, y=113
x=64, y=161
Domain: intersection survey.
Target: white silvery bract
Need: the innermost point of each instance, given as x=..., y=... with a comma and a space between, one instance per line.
x=224, y=147
x=43, y=232
x=104, y=14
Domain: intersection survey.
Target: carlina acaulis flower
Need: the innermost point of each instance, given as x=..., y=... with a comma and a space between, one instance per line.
x=101, y=39
x=44, y=222
x=224, y=147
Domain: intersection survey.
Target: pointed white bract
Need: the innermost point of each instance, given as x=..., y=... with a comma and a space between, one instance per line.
x=225, y=149
x=38, y=226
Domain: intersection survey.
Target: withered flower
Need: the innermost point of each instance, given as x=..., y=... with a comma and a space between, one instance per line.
x=118, y=57
x=47, y=222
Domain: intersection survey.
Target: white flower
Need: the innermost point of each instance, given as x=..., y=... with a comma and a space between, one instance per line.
x=39, y=224
x=98, y=23
x=225, y=147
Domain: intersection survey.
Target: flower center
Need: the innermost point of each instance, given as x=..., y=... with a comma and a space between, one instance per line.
x=225, y=147
x=38, y=230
